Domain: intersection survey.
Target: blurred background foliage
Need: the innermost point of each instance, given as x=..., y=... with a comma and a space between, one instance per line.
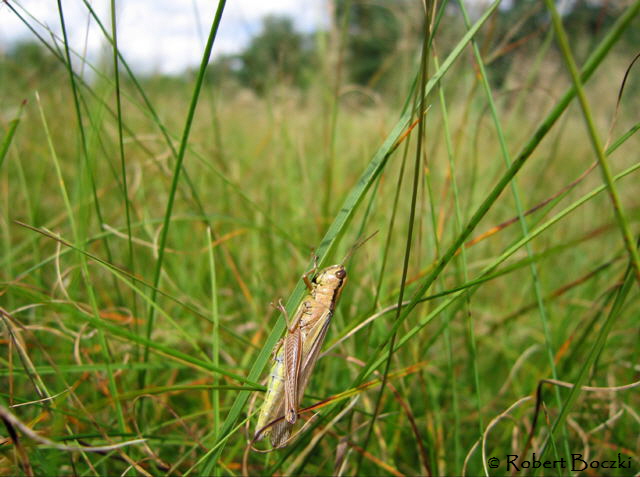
x=379, y=44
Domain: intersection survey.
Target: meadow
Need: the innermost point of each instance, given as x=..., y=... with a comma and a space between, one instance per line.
x=149, y=223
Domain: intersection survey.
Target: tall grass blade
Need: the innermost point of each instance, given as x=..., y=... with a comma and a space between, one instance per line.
x=176, y=172
x=599, y=149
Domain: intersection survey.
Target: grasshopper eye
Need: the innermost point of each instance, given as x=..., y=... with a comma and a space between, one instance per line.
x=341, y=274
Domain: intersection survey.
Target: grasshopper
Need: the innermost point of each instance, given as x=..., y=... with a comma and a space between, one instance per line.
x=296, y=354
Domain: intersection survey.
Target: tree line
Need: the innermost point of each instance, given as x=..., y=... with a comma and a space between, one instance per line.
x=369, y=42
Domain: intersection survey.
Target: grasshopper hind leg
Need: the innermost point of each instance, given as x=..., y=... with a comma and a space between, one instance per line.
x=292, y=360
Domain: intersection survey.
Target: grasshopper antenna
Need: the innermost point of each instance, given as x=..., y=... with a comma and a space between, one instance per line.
x=356, y=246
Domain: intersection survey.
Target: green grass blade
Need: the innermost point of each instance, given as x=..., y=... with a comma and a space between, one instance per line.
x=215, y=338
x=119, y=121
x=8, y=137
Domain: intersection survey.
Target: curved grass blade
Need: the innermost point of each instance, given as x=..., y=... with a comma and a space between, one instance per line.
x=491, y=268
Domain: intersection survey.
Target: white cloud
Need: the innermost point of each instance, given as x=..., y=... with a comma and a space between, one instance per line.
x=160, y=35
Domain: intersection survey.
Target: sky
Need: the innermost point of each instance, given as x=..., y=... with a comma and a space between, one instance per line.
x=163, y=36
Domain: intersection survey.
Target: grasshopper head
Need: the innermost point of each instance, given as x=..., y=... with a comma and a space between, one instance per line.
x=333, y=277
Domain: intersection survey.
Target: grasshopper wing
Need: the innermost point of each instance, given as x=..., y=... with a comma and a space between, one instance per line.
x=311, y=350
x=280, y=433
